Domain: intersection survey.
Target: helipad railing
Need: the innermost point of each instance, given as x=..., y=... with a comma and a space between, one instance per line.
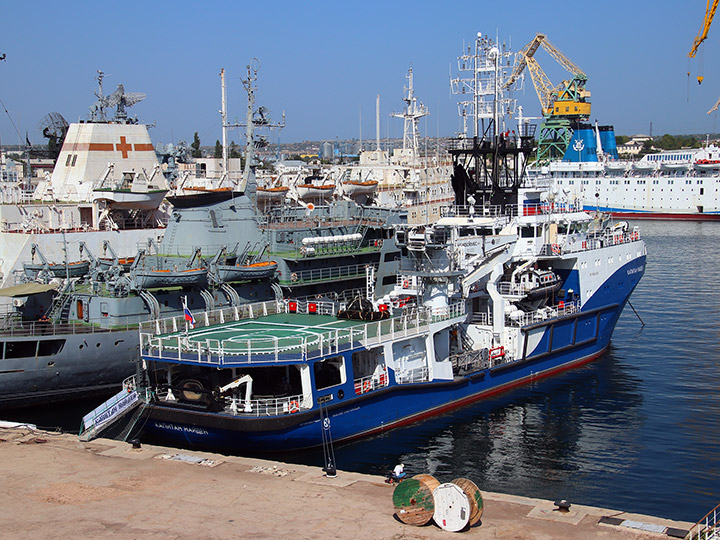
x=177, y=345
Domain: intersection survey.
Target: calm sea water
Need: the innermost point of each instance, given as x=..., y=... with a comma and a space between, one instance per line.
x=637, y=430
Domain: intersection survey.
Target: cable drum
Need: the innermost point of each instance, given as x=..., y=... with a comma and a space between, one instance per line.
x=413, y=499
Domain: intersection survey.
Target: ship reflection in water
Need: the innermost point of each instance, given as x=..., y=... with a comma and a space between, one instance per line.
x=634, y=431
x=561, y=437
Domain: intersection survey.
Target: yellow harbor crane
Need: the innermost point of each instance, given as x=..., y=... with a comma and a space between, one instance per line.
x=561, y=104
x=567, y=99
x=710, y=9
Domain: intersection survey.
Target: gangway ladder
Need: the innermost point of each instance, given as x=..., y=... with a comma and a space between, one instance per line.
x=61, y=302
x=328, y=451
x=708, y=528
x=133, y=419
x=111, y=412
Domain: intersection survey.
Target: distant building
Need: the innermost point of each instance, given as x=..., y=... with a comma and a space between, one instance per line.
x=327, y=150
x=634, y=145
x=289, y=166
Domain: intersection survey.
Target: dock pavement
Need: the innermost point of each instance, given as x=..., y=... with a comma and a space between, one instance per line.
x=56, y=486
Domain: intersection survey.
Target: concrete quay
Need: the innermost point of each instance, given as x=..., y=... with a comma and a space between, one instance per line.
x=55, y=486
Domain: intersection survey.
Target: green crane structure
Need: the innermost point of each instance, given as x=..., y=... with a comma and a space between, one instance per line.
x=562, y=105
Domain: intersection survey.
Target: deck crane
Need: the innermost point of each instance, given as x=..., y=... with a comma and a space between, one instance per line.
x=562, y=104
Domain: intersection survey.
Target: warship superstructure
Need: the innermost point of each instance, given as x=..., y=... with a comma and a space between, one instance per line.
x=107, y=185
x=73, y=329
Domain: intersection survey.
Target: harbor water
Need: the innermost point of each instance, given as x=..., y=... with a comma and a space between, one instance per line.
x=636, y=430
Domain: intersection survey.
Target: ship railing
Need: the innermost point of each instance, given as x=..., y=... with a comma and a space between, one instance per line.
x=281, y=221
x=707, y=528
x=454, y=310
x=560, y=310
x=470, y=361
x=591, y=242
x=320, y=275
x=436, y=265
x=181, y=346
x=470, y=210
x=266, y=406
x=16, y=327
x=372, y=382
x=482, y=319
x=414, y=375
x=507, y=288
x=545, y=208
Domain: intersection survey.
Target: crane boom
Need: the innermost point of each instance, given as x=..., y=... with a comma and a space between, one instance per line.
x=714, y=107
x=571, y=91
x=702, y=34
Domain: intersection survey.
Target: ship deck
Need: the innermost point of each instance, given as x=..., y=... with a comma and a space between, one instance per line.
x=280, y=327
x=273, y=332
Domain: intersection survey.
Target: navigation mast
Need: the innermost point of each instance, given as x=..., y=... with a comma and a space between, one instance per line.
x=253, y=118
x=489, y=166
x=414, y=111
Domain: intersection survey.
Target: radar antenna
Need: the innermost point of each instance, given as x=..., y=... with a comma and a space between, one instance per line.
x=54, y=128
x=119, y=99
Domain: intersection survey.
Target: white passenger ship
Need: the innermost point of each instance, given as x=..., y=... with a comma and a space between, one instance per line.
x=673, y=184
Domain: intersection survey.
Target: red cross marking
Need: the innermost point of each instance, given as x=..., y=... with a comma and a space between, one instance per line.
x=123, y=147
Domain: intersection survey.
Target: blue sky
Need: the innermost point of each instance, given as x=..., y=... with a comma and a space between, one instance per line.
x=324, y=62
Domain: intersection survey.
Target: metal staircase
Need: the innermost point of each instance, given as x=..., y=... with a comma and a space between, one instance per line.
x=60, y=309
x=132, y=420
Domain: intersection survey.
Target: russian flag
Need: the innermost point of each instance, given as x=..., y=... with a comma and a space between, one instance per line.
x=189, y=316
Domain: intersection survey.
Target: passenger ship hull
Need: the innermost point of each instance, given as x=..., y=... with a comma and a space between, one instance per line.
x=681, y=216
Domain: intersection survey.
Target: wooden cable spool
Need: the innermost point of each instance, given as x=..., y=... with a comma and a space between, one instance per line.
x=474, y=496
x=413, y=499
x=452, y=507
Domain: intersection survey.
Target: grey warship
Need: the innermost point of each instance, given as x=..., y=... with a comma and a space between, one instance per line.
x=74, y=336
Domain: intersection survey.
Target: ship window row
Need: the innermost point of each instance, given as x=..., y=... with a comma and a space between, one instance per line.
x=71, y=160
x=669, y=157
x=30, y=348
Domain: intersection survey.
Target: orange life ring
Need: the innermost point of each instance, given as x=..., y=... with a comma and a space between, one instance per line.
x=555, y=249
x=406, y=284
x=367, y=386
x=294, y=407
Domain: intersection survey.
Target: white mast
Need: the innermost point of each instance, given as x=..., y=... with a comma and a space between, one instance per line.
x=412, y=115
x=377, y=124
x=223, y=113
x=488, y=100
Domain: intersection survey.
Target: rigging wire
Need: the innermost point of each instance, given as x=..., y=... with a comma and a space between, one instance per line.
x=11, y=121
